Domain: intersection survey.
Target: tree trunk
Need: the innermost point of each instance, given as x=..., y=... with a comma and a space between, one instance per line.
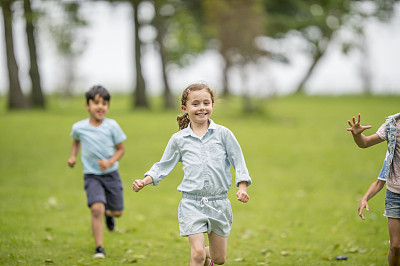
x=37, y=95
x=160, y=26
x=140, y=99
x=16, y=99
x=225, y=81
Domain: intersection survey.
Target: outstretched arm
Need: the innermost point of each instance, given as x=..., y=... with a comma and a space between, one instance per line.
x=372, y=190
x=360, y=139
x=141, y=183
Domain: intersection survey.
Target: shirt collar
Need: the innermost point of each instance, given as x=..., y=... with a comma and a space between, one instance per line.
x=189, y=132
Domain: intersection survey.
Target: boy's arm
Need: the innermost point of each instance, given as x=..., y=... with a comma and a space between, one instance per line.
x=242, y=192
x=374, y=188
x=360, y=139
x=119, y=152
x=76, y=144
x=141, y=183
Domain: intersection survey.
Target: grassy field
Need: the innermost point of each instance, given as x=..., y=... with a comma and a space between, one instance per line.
x=308, y=176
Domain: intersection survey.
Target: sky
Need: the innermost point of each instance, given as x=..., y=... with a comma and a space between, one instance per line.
x=108, y=60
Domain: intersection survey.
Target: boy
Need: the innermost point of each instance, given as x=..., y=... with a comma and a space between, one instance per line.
x=102, y=146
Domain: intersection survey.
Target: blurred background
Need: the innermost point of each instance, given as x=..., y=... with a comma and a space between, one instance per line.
x=249, y=48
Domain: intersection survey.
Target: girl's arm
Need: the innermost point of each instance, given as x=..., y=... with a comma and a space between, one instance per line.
x=119, y=152
x=76, y=144
x=242, y=192
x=141, y=183
x=360, y=139
x=374, y=188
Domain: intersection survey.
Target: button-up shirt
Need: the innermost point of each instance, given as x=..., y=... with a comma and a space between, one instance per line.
x=206, y=161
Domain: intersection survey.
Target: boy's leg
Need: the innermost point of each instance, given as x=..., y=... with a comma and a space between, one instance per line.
x=197, y=249
x=394, y=234
x=217, y=248
x=97, y=213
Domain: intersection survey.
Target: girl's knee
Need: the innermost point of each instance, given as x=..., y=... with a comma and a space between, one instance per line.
x=220, y=260
x=198, y=254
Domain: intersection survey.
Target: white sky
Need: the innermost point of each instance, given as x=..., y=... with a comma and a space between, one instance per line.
x=108, y=60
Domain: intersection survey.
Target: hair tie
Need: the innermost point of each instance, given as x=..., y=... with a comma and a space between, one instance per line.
x=188, y=91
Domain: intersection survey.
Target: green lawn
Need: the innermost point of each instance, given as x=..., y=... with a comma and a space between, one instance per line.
x=308, y=176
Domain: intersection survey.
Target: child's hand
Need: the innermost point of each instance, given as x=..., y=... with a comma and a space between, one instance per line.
x=363, y=204
x=104, y=164
x=242, y=196
x=72, y=161
x=356, y=128
x=137, y=185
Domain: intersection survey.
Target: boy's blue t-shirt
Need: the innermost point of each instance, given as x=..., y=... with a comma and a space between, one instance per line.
x=97, y=143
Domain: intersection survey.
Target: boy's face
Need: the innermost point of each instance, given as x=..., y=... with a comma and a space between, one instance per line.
x=97, y=108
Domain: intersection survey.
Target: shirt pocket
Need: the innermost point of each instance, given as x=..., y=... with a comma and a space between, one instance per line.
x=217, y=152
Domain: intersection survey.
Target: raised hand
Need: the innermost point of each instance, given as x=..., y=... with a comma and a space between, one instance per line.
x=356, y=128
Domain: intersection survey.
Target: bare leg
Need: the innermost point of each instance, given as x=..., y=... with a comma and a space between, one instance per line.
x=217, y=249
x=197, y=249
x=394, y=234
x=97, y=213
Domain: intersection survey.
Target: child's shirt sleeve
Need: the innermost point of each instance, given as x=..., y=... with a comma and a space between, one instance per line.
x=168, y=161
x=236, y=158
x=117, y=133
x=382, y=131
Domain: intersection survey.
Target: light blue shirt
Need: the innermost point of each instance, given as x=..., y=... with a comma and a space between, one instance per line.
x=97, y=143
x=206, y=161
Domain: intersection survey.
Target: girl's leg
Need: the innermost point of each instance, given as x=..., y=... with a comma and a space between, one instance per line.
x=197, y=249
x=97, y=213
x=217, y=248
x=394, y=234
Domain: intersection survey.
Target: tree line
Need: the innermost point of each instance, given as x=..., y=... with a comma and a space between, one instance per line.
x=243, y=32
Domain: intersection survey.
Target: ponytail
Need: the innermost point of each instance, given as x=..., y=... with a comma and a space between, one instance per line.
x=183, y=121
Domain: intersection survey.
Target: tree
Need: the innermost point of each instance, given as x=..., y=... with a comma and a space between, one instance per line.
x=318, y=23
x=37, y=97
x=236, y=25
x=16, y=99
x=140, y=98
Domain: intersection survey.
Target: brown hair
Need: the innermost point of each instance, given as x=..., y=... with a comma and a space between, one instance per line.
x=183, y=120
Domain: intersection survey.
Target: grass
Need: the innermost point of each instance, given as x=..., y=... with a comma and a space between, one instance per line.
x=308, y=176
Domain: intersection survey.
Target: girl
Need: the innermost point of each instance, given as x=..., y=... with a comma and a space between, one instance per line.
x=390, y=174
x=206, y=151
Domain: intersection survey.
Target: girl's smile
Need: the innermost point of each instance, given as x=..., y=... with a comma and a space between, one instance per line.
x=199, y=106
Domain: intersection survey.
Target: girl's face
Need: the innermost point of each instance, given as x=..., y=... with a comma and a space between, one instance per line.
x=198, y=106
x=97, y=108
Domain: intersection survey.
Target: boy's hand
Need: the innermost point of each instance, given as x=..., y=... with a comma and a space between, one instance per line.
x=137, y=185
x=104, y=164
x=72, y=161
x=356, y=128
x=242, y=196
x=363, y=204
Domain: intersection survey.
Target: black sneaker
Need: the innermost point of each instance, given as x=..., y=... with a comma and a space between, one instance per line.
x=110, y=222
x=99, y=253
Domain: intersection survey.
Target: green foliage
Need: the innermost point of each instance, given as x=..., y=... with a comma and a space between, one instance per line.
x=308, y=177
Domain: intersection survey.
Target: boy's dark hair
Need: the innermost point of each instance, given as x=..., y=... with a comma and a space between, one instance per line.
x=97, y=89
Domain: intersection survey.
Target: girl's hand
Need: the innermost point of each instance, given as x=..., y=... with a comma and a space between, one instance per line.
x=356, y=128
x=104, y=164
x=137, y=185
x=242, y=196
x=363, y=204
x=72, y=161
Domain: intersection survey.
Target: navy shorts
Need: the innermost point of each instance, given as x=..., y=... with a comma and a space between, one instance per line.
x=105, y=188
x=392, y=205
